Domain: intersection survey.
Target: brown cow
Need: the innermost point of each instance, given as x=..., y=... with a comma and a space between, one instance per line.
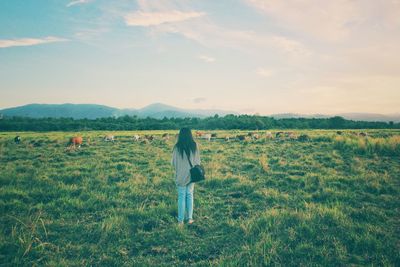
x=76, y=140
x=362, y=134
x=149, y=137
x=199, y=134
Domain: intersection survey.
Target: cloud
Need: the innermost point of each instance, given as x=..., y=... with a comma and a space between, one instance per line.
x=164, y=17
x=207, y=59
x=330, y=21
x=141, y=18
x=290, y=46
x=77, y=2
x=199, y=100
x=264, y=72
x=30, y=41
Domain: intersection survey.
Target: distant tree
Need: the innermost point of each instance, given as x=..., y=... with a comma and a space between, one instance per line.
x=336, y=122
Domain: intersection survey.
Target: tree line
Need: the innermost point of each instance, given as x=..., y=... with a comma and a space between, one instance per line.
x=240, y=122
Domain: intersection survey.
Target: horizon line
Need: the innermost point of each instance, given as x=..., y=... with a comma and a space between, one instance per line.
x=220, y=109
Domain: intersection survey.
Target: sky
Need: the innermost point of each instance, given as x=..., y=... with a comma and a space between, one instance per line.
x=248, y=56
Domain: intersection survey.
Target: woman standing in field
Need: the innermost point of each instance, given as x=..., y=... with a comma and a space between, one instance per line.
x=185, y=149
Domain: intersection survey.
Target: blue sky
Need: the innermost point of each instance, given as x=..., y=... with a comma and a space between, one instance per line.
x=250, y=56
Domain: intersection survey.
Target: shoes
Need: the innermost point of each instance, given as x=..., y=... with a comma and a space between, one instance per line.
x=190, y=221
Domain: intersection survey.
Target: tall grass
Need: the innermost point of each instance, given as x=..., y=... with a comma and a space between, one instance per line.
x=288, y=202
x=369, y=145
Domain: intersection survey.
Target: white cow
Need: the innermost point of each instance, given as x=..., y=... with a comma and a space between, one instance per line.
x=109, y=138
x=206, y=136
x=269, y=135
x=136, y=138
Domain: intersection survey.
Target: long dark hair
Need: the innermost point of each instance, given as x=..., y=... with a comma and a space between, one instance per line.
x=186, y=143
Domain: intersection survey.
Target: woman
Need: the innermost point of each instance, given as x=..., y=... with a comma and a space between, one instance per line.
x=185, y=146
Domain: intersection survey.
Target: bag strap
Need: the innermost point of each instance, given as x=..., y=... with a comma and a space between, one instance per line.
x=188, y=157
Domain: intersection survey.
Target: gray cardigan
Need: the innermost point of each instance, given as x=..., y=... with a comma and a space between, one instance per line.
x=182, y=166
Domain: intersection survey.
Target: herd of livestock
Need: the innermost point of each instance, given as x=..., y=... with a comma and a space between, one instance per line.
x=147, y=138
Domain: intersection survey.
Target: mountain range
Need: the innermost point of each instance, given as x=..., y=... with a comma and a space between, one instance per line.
x=159, y=111
x=93, y=111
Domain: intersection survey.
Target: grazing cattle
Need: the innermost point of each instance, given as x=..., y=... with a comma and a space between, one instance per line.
x=291, y=135
x=199, y=134
x=255, y=136
x=241, y=137
x=339, y=132
x=303, y=138
x=268, y=135
x=165, y=137
x=109, y=138
x=136, y=138
x=149, y=137
x=17, y=139
x=76, y=140
x=362, y=134
x=214, y=135
x=206, y=136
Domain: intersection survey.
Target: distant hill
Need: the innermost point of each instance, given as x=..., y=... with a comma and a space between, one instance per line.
x=92, y=111
x=158, y=111
x=77, y=111
x=348, y=116
x=371, y=117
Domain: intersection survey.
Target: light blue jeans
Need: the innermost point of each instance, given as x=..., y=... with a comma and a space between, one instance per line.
x=185, y=202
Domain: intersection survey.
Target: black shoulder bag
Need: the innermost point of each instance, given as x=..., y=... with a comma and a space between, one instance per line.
x=197, y=173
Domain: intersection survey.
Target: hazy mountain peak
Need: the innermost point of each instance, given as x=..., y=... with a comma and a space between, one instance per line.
x=157, y=107
x=93, y=111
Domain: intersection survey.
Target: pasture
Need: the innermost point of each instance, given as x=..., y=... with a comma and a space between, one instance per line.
x=325, y=199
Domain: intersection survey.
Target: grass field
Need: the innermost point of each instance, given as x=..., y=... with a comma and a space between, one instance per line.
x=328, y=200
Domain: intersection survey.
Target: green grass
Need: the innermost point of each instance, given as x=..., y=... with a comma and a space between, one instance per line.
x=327, y=201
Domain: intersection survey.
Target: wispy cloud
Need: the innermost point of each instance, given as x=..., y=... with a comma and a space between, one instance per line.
x=290, y=45
x=78, y=2
x=176, y=17
x=264, y=72
x=327, y=20
x=330, y=20
x=141, y=18
x=206, y=58
x=29, y=41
